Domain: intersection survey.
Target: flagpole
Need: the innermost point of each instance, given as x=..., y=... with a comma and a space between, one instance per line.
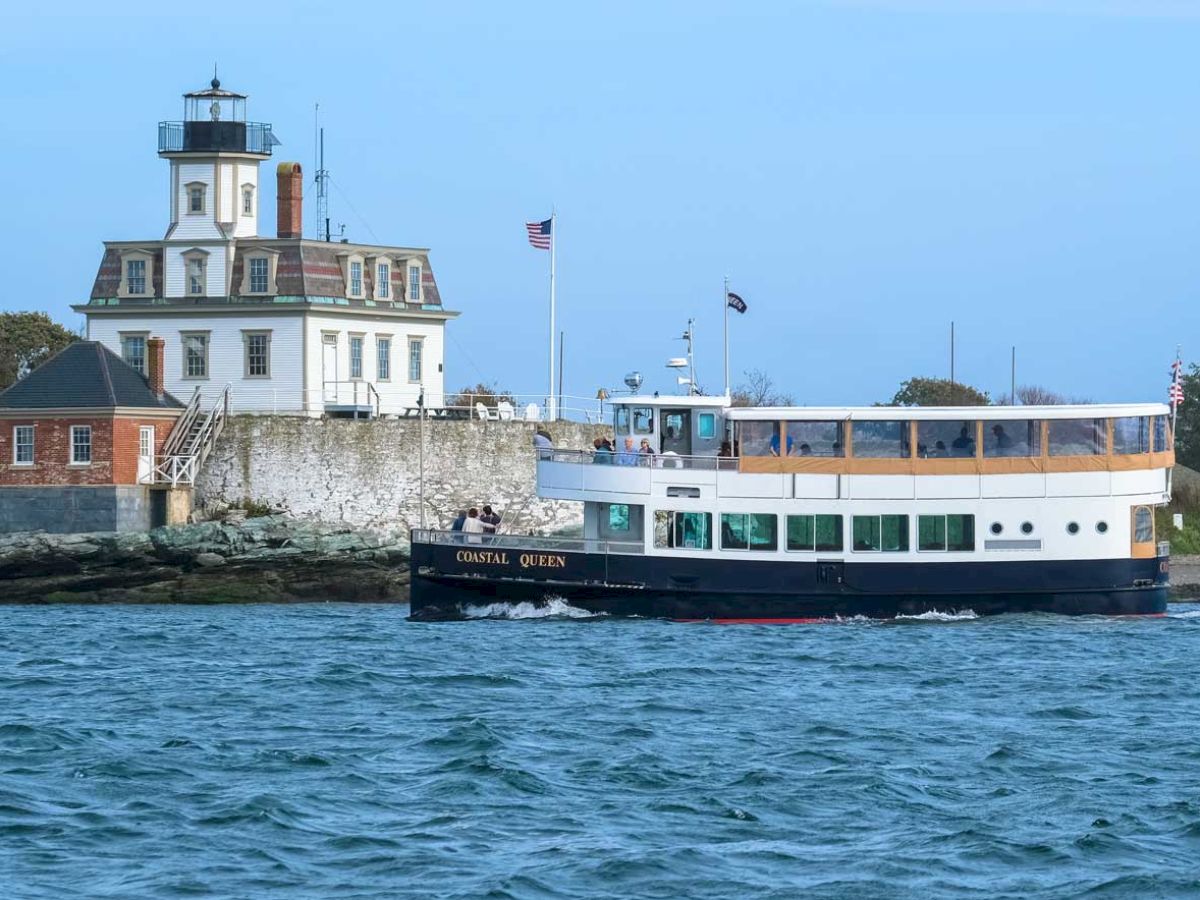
x=551, y=400
x=725, y=304
x=1176, y=378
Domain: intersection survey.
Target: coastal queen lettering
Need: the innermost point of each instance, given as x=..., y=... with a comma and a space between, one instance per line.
x=500, y=558
x=490, y=557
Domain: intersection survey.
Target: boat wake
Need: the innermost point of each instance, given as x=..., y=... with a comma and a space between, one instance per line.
x=934, y=615
x=552, y=608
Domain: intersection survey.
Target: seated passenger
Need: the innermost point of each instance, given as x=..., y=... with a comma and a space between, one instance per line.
x=603, y=451
x=964, y=444
x=805, y=450
x=939, y=450
x=1003, y=442
x=837, y=448
x=775, y=444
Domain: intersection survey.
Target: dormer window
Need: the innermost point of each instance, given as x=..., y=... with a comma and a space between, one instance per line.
x=383, y=281
x=259, y=275
x=247, y=199
x=258, y=271
x=196, y=191
x=414, y=283
x=352, y=265
x=356, y=278
x=137, y=274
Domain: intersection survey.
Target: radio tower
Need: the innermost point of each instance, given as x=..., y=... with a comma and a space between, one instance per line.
x=322, y=179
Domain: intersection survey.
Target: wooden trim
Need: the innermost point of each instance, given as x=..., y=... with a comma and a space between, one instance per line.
x=1003, y=465
x=1142, y=549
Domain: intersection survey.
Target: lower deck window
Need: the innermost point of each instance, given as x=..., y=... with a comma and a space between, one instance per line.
x=815, y=533
x=888, y=534
x=953, y=533
x=683, y=530
x=615, y=515
x=748, y=531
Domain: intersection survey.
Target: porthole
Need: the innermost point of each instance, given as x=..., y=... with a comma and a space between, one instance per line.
x=1026, y=528
x=1072, y=528
x=997, y=528
x=1102, y=527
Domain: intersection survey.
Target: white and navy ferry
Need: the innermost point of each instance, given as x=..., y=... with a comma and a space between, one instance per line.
x=799, y=513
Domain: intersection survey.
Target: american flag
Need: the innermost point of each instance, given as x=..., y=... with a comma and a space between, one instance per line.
x=540, y=233
x=1176, y=391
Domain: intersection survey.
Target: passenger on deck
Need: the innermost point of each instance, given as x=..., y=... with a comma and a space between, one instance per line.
x=473, y=527
x=775, y=444
x=1003, y=441
x=628, y=456
x=805, y=450
x=646, y=450
x=490, y=520
x=939, y=450
x=542, y=441
x=964, y=444
x=457, y=524
x=602, y=454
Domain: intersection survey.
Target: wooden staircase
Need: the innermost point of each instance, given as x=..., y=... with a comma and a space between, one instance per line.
x=191, y=440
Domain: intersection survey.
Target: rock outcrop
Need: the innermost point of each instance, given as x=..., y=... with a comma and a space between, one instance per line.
x=270, y=559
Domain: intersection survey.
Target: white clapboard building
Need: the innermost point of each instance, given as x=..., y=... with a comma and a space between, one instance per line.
x=289, y=325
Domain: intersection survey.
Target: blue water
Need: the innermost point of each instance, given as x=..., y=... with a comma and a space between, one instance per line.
x=340, y=751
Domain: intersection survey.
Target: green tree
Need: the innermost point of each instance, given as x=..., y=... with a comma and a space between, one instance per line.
x=938, y=392
x=487, y=394
x=28, y=339
x=758, y=389
x=1187, y=428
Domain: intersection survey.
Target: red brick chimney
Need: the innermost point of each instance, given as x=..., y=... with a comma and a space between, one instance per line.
x=290, y=199
x=154, y=365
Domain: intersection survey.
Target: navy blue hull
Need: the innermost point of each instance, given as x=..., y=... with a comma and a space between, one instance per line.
x=447, y=578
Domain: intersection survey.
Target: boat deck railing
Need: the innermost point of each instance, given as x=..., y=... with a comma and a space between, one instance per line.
x=523, y=542
x=640, y=460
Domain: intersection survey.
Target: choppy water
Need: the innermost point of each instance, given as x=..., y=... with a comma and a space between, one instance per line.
x=340, y=751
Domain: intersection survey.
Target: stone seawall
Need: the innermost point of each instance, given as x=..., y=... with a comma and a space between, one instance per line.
x=365, y=473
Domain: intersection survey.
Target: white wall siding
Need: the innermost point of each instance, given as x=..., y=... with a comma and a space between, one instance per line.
x=281, y=392
x=224, y=205
x=247, y=173
x=190, y=226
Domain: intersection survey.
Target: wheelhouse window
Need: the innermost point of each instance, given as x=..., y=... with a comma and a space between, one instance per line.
x=260, y=275
x=1077, y=437
x=133, y=351
x=414, y=284
x=682, y=530
x=748, y=531
x=135, y=276
x=258, y=354
x=383, y=358
x=383, y=281
x=195, y=355
x=614, y=517
x=815, y=438
x=23, y=445
x=881, y=440
x=81, y=445
x=1131, y=434
x=951, y=533
x=1012, y=437
x=416, y=351
x=820, y=533
x=1162, y=434
x=946, y=439
x=643, y=420
x=356, y=356
x=887, y=534
x=706, y=425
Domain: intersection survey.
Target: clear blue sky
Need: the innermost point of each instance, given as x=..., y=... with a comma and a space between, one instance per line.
x=864, y=172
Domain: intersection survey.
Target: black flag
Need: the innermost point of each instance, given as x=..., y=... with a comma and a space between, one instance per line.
x=735, y=301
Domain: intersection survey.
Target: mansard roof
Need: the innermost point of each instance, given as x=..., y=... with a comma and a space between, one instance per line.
x=84, y=375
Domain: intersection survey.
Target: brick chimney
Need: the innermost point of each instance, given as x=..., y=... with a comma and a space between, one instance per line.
x=154, y=365
x=290, y=199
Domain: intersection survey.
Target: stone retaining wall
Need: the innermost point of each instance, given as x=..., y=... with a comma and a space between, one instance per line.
x=365, y=473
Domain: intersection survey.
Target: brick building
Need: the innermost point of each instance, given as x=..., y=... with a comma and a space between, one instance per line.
x=78, y=441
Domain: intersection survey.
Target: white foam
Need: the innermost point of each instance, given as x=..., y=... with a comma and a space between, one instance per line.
x=553, y=607
x=960, y=615
x=1190, y=614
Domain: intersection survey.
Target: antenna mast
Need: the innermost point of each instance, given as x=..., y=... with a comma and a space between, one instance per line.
x=322, y=180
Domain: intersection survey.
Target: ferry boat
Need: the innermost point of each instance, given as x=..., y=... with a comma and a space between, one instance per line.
x=800, y=513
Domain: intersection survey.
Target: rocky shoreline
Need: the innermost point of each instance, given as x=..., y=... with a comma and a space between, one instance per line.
x=1185, y=578
x=270, y=559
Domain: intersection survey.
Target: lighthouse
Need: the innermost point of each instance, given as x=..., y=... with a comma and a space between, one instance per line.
x=214, y=154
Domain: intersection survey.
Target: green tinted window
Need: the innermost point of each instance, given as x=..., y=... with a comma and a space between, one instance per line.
x=866, y=533
x=829, y=533
x=618, y=517
x=753, y=531
x=960, y=533
x=893, y=533
x=801, y=533
x=931, y=532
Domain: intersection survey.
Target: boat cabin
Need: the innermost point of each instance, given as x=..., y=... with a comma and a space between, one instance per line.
x=683, y=426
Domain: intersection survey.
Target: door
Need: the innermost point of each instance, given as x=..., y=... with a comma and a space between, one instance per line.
x=145, y=463
x=676, y=431
x=329, y=374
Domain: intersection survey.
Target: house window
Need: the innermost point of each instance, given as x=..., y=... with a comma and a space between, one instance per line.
x=23, y=445
x=258, y=354
x=416, y=349
x=383, y=358
x=195, y=195
x=135, y=276
x=355, y=278
x=195, y=355
x=81, y=445
x=247, y=200
x=133, y=351
x=751, y=531
x=356, y=356
x=876, y=533
x=260, y=275
x=383, y=278
x=195, y=275
x=414, y=283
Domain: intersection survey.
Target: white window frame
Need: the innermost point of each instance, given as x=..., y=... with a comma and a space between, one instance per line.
x=144, y=336
x=259, y=262
x=383, y=281
x=191, y=188
x=80, y=429
x=360, y=339
x=247, y=336
x=143, y=256
x=383, y=357
x=411, y=282
x=247, y=199
x=16, y=433
x=195, y=256
x=272, y=258
x=183, y=354
x=356, y=281
x=419, y=342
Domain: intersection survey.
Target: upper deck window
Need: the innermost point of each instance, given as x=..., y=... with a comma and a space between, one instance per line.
x=942, y=439
x=1131, y=434
x=1077, y=437
x=758, y=438
x=1012, y=437
x=1162, y=434
x=683, y=530
x=881, y=440
x=816, y=438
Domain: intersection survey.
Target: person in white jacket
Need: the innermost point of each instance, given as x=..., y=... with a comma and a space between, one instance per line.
x=473, y=527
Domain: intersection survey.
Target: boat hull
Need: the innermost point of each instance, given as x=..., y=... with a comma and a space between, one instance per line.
x=449, y=582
